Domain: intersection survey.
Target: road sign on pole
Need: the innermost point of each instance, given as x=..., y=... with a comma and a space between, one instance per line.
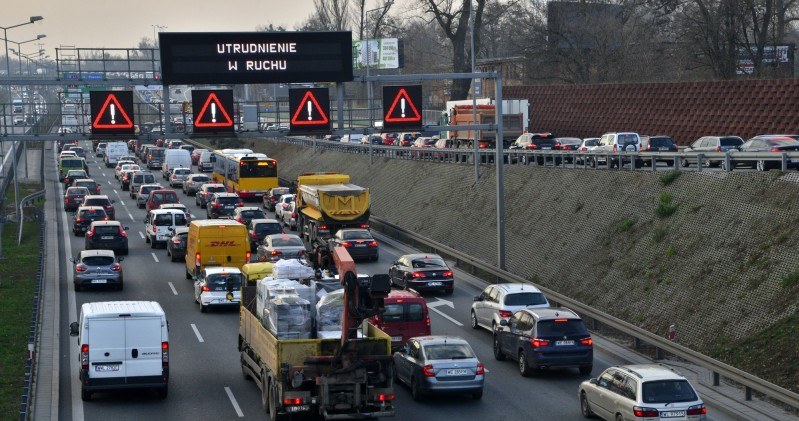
x=310, y=111
x=112, y=112
x=213, y=111
x=401, y=108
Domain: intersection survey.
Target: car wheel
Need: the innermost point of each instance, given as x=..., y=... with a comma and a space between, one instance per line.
x=152, y=243
x=585, y=407
x=120, y=286
x=477, y=395
x=146, y=239
x=85, y=395
x=416, y=394
x=162, y=392
x=619, y=417
x=473, y=319
x=586, y=369
x=188, y=275
x=524, y=369
x=203, y=308
x=685, y=163
x=124, y=251
x=498, y=354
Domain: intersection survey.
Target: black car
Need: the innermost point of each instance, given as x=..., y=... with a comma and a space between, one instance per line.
x=107, y=235
x=358, y=242
x=270, y=198
x=539, y=338
x=422, y=272
x=102, y=201
x=90, y=184
x=532, y=142
x=222, y=205
x=258, y=229
x=658, y=144
x=73, y=175
x=176, y=245
x=84, y=217
x=203, y=196
x=247, y=213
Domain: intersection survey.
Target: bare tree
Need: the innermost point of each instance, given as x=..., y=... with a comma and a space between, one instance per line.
x=328, y=15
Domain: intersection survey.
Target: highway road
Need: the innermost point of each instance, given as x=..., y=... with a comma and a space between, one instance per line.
x=205, y=374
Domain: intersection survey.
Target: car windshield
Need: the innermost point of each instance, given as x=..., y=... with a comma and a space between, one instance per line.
x=268, y=228
x=106, y=229
x=525, y=299
x=428, y=262
x=560, y=327
x=286, y=242
x=448, y=352
x=220, y=281
x=356, y=235
x=98, y=260
x=731, y=141
x=666, y=391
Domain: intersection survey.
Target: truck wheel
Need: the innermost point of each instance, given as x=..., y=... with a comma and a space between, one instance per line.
x=273, y=415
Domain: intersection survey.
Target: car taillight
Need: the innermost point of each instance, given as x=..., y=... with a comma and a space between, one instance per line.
x=97, y=189
x=428, y=371
x=81, y=268
x=90, y=234
x=385, y=397
x=583, y=149
x=248, y=255
x=155, y=229
x=275, y=252
x=197, y=261
x=538, y=343
x=240, y=219
x=365, y=226
x=697, y=410
x=240, y=204
x=427, y=321
x=418, y=275
x=116, y=267
x=775, y=149
x=532, y=146
x=645, y=412
x=294, y=215
x=206, y=288
x=216, y=205
x=346, y=244
x=66, y=200
x=84, y=357
x=558, y=146
x=505, y=313
x=373, y=244
x=481, y=370
x=78, y=219
x=447, y=274
x=255, y=236
x=272, y=200
x=718, y=148
x=587, y=341
x=292, y=401
x=164, y=354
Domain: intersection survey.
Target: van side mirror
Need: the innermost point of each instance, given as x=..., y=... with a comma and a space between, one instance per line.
x=478, y=298
x=73, y=329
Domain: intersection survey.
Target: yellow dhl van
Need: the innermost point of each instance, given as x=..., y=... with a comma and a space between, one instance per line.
x=216, y=242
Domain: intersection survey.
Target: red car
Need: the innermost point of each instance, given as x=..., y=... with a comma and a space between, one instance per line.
x=161, y=197
x=74, y=197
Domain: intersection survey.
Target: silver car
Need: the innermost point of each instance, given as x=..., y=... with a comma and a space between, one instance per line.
x=97, y=268
x=193, y=183
x=144, y=193
x=439, y=364
x=500, y=301
x=178, y=175
x=281, y=246
x=646, y=391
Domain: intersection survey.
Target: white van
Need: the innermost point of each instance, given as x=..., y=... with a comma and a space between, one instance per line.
x=123, y=345
x=114, y=151
x=205, y=164
x=159, y=224
x=176, y=158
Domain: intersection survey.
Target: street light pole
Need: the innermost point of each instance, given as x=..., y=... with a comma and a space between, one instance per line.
x=474, y=94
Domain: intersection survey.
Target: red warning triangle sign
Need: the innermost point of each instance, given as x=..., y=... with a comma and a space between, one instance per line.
x=118, y=117
x=218, y=115
x=406, y=112
x=305, y=114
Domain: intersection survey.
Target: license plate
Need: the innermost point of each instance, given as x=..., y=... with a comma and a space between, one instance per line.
x=671, y=414
x=107, y=367
x=298, y=408
x=360, y=245
x=99, y=281
x=564, y=342
x=107, y=237
x=396, y=339
x=664, y=149
x=546, y=148
x=434, y=284
x=457, y=372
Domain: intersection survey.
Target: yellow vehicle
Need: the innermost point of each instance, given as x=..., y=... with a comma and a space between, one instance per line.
x=216, y=242
x=71, y=163
x=255, y=271
x=244, y=172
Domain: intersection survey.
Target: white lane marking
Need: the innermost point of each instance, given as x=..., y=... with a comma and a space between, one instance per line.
x=445, y=316
x=197, y=332
x=141, y=234
x=109, y=181
x=103, y=174
x=155, y=257
x=115, y=192
x=233, y=401
x=172, y=287
x=122, y=203
x=131, y=217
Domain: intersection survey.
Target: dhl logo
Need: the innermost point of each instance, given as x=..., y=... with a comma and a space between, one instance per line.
x=222, y=244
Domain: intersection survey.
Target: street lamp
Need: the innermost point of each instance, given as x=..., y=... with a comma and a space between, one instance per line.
x=157, y=28
x=19, y=48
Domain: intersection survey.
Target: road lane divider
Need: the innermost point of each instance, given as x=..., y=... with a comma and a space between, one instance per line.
x=233, y=401
x=172, y=287
x=155, y=257
x=440, y=302
x=141, y=234
x=197, y=332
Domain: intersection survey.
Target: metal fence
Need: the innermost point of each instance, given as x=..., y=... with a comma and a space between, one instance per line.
x=28, y=381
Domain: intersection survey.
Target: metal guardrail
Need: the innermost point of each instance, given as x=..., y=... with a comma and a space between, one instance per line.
x=719, y=369
x=21, y=212
x=28, y=383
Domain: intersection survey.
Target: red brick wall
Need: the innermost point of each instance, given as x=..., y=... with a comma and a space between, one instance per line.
x=685, y=110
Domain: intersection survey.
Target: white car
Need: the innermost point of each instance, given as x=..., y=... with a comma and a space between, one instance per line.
x=218, y=286
x=118, y=173
x=283, y=205
x=160, y=223
x=178, y=175
x=288, y=217
x=589, y=144
x=178, y=206
x=500, y=301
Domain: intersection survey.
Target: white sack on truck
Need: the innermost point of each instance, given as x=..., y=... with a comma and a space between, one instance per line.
x=289, y=317
x=291, y=269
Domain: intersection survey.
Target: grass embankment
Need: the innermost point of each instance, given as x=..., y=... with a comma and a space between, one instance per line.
x=17, y=284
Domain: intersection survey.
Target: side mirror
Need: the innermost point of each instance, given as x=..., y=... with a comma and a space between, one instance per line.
x=592, y=380
x=73, y=329
x=120, y=259
x=73, y=260
x=478, y=298
x=503, y=322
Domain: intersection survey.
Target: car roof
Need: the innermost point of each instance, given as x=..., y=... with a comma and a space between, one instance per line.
x=107, y=223
x=510, y=288
x=97, y=196
x=225, y=194
x=91, y=253
x=440, y=340
x=264, y=221
x=651, y=371
x=152, y=185
x=163, y=211
x=422, y=256
x=551, y=313
x=403, y=294
x=283, y=235
x=213, y=270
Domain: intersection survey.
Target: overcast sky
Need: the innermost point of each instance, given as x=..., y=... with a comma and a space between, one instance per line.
x=122, y=24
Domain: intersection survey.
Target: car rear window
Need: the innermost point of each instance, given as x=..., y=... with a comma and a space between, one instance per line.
x=559, y=328
x=98, y=260
x=144, y=178
x=428, y=263
x=660, y=141
x=279, y=192
x=86, y=184
x=782, y=142
x=592, y=142
x=180, y=219
x=163, y=220
x=92, y=214
x=525, y=299
x=663, y=391
x=627, y=138
x=73, y=173
x=403, y=312
x=219, y=281
x=286, y=242
x=183, y=236
x=200, y=179
x=253, y=214
x=78, y=190
x=182, y=171
x=228, y=200
x=96, y=202
x=216, y=189
x=448, y=352
x=357, y=235
x=731, y=141
x=106, y=229
x=147, y=190
x=268, y=228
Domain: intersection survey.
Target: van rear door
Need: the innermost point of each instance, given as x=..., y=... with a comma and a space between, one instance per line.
x=225, y=246
x=107, y=348
x=143, y=346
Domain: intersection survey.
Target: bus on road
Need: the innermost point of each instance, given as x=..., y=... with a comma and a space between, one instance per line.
x=244, y=172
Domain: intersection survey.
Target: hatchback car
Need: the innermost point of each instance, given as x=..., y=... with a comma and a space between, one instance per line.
x=84, y=217
x=710, y=144
x=144, y=193
x=658, y=144
x=588, y=145
x=218, y=286
x=107, y=235
x=245, y=214
x=644, y=391
x=73, y=198
x=206, y=192
x=539, y=338
x=258, y=229
x=422, y=272
x=90, y=184
x=101, y=200
x=532, y=142
x=271, y=197
x=176, y=245
x=177, y=176
x=97, y=268
x=73, y=175
x=500, y=301
x=281, y=246
x=405, y=316
x=282, y=204
x=121, y=163
x=439, y=364
x=222, y=205
x=161, y=197
x=358, y=242
x=192, y=183
x=288, y=216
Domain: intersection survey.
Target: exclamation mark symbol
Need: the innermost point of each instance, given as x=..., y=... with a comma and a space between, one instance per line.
x=310, y=109
x=113, y=114
x=402, y=106
x=213, y=112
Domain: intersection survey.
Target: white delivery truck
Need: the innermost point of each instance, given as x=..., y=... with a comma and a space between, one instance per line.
x=114, y=151
x=122, y=345
x=176, y=158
